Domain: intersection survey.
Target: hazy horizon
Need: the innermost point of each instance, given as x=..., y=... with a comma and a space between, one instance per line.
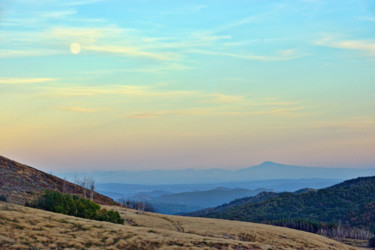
x=108, y=85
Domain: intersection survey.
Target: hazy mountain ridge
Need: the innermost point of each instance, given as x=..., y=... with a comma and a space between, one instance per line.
x=131, y=191
x=190, y=201
x=265, y=171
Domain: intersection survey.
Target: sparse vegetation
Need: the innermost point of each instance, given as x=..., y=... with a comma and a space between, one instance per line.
x=73, y=205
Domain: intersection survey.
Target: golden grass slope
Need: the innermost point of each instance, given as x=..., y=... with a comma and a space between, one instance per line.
x=23, y=227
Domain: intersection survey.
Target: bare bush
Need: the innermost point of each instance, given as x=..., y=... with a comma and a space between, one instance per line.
x=87, y=183
x=140, y=206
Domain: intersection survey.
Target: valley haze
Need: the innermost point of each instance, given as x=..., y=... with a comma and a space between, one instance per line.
x=265, y=171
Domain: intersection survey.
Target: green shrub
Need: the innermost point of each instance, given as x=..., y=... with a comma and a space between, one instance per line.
x=371, y=242
x=3, y=198
x=73, y=205
x=111, y=216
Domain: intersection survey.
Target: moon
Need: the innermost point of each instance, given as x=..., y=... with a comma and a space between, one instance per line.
x=75, y=48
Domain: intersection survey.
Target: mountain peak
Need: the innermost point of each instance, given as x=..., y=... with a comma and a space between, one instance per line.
x=270, y=163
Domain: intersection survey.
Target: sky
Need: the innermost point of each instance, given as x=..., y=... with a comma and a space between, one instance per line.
x=111, y=85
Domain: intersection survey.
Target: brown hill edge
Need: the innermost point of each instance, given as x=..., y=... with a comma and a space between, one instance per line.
x=21, y=183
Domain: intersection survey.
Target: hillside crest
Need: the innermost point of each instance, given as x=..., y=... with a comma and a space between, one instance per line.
x=21, y=183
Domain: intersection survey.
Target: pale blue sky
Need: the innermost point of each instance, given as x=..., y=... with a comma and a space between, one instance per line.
x=176, y=84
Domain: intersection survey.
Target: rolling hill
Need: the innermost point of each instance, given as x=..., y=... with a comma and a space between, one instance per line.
x=350, y=203
x=21, y=183
x=257, y=198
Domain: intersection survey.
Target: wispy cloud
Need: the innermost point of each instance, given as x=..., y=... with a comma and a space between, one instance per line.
x=244, y=21
x=281, y=55
x=101, y=40
x=278, y=111
x=182, y=112
x=9, y=53
x=223, y=98
x=366, y=46
x=57, y=14
x=79, y=109
x=143, y=116
x=129, y=52
x=214, y=111
x=122, y=90
x=79, y=2
x=59, y=3
x=270, y=105
x=25, y=80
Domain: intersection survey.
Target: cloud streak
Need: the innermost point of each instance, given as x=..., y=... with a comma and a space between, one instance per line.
x=282, y=55
x=181, y=112
x=79, y=109
x=129, y=52
x=366, y=46
x=26, y=80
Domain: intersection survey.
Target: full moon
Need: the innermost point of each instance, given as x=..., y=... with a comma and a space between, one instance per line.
x=75, y=48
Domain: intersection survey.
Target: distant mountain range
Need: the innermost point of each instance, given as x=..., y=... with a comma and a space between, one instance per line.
x=265, y=171
x=190, y=201
x=130, y=191
x=351, y=203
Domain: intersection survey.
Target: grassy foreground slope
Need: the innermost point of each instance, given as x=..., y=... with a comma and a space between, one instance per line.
x=24, y=227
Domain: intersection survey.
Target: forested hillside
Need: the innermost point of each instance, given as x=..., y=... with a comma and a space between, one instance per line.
x=346, y=207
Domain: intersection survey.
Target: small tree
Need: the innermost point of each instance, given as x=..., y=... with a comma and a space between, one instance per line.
x=122, y=201
x=76, y=181
x=140, y=207
x=91, y=184
x=64, y=185
x=86, y=183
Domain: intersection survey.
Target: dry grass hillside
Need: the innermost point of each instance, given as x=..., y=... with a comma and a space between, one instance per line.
x=21, y=183
x=23, y=227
